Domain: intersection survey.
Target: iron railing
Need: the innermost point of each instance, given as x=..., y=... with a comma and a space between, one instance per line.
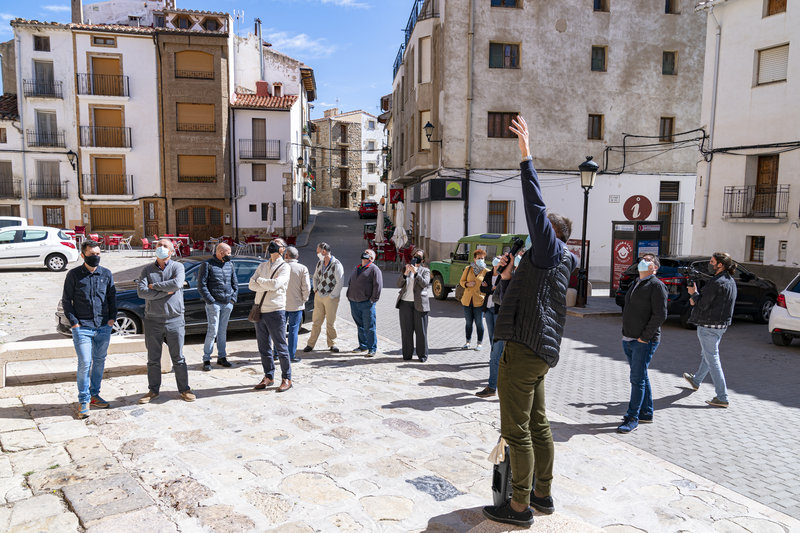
x=195, y=74
x=756, y=202
x=103, y=85
x=45, y=89
x=10, y=188
x=420, y=10
x=187, y=126
x=48, y=189
x=197, y=179
x=398, y=60
x=259, y=149
x=106, y=136
x=51, y=139
x=108, y=184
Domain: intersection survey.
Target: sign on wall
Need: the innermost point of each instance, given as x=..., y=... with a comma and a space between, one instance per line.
x=637, y=207
x=622, y=259
x=396, y=195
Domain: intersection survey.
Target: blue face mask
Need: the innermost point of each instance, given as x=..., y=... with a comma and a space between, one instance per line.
x=644, y=266
x=517, y=260
x=162, y=252
x=528, y=242
x=481, y=263
x=495, y=261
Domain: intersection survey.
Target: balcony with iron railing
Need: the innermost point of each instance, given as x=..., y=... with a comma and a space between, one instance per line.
x=103, y=85
x=195, y=74
x=197, y=127
x=53, y=190
x=42, y=89
x=46, y=139
x=756, y=202
x=420, y=10
x=108, y=184
x=106, y=136
x=10, y=188
x=259, y=149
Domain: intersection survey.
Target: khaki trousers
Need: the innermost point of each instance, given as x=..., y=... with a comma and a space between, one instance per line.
x=325, y=309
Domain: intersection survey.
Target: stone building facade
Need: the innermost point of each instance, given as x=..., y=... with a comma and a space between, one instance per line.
x=336, y=158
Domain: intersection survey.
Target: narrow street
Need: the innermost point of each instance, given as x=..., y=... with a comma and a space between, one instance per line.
x=749, y=448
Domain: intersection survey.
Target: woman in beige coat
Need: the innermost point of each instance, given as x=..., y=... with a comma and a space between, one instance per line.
x=472, y=299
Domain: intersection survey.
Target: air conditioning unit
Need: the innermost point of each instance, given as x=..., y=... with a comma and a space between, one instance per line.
x=241, y=192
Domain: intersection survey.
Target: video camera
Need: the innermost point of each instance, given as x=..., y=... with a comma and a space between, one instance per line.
x=517, y=245
x=692, y=274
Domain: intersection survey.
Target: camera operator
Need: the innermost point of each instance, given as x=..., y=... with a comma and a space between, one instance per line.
x=531, y=322
x=712, y=312
x=413, y=303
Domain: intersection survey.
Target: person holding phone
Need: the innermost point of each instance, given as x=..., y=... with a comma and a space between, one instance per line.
x=414, y=305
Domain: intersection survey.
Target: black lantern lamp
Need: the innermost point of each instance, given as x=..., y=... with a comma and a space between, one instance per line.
x=588, y=171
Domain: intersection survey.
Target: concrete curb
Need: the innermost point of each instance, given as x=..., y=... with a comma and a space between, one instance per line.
x=302, y=239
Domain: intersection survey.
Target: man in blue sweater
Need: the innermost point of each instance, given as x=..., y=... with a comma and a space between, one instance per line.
x=531, y=322
x=216, y=282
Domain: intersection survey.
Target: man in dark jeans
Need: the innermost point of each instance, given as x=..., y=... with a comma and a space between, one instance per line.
x=363, y=291
x=712, y=313
x=90, y=305
x=531, y=322
x=644, y=312
x=217, y=284
x=161, y=287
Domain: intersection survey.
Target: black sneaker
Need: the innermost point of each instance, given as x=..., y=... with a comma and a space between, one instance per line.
x=307, y=349
x=295, y=360
x=543, y=505
x=222, y=361
x=206, y=366
x=335, y=349
x=486, y=393
x=505, y=514
x=359, y=350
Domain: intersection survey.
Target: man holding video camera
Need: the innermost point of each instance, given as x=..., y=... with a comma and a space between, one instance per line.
x=531, y=322
x=413, y=303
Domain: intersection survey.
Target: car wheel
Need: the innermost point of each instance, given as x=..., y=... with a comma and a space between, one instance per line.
x=55, y=262
x=685, y=318
x=440, y=292
x=126, y=324
x=781, y=339
x=763, y=310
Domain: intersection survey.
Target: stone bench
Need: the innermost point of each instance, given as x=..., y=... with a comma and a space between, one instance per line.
x=12, y=352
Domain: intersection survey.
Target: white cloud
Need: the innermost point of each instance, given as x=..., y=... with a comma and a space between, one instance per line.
x=57, y=8
x=6, y=16
x=300, y=44
x=346, y=3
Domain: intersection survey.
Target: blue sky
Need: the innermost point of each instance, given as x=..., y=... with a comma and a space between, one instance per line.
x=350, y=44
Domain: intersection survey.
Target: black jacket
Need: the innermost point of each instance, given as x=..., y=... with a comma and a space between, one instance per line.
x=645, y=309
x=714, y=306
x=89, y=298
x=216, y=281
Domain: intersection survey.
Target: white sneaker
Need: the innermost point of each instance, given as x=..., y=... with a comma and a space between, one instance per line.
x=465, y=347
x=478, y=346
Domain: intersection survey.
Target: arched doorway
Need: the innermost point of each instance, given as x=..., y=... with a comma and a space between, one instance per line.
x=200, y=222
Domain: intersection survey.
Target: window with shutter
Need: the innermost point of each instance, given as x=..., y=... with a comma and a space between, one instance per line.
x=774, y=7
x=669, y=191
x=595, y=127
x=259, y=172
x=196, y=117
x=666, y=129
x=503, y=55
x=601, y=5
x=669, y=63
x=499, y=123
x=194, y=64
x=773, y=64
x=41, y=43
x=197, y=168
x=599, y=58
x=112, y=218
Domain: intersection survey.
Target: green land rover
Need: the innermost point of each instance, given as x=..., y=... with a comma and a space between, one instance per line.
x=446, y=274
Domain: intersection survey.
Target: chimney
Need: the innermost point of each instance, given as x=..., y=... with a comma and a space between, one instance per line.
x=169, y=4
x=262, y=88
x=332, y=112
x=77, y=11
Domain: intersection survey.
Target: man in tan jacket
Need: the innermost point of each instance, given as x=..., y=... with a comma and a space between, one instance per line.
x=269, y=282
x=296, y=296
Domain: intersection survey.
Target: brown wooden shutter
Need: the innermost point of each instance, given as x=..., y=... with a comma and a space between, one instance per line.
x=773, y=64
x=192, y=166
x=193, y=60
x=196, y=114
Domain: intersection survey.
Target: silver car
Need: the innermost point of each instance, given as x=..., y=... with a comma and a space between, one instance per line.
x=36, y=246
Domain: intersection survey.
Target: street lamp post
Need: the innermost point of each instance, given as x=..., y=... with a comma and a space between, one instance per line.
x=588, y=173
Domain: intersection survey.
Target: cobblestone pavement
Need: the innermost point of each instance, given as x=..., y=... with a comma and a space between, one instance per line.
x=357, y=445
x=750, y=448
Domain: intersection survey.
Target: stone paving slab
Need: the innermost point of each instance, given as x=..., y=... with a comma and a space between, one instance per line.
x=101, y=498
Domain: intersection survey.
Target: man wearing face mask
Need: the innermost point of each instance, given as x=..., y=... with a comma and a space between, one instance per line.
x=644, y=312
x=269, y=282
x=363, y=291
x=90, y=304
x=712, y=312
x=161, y=287
x=217, y=285
x=414, y=305
x=327, y=289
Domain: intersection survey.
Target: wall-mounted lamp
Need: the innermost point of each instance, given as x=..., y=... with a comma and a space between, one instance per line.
x=72, y=157
x=300, y=162
x=429, y=131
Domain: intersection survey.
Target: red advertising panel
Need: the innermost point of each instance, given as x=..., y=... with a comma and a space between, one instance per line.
x=622, y=259
x=396, y=195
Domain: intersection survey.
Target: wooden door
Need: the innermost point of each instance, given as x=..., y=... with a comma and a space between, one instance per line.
x=106, y=78
x=53, y=215
x=766, y=185
x=343, y=199
x=108, y=129
x=200, y=222
x=259, y=130
x=151, y=219
x=109, y=177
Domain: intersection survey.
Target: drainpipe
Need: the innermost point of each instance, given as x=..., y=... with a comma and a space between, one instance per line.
x=234, y=172
x=25, y=200
x=470, y=71
x=707, y=187
x=163, y=139
x=260, y=49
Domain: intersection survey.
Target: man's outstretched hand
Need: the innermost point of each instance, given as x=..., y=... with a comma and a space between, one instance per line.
x=520, y=128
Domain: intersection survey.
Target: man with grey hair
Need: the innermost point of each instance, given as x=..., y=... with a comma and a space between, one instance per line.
x=327, y=289
x=363, y=291
x=217, y=284
x=160, y=285
x=296, y=295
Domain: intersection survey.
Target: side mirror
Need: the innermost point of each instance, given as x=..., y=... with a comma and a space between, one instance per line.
x=452, y=254
x=747, y=276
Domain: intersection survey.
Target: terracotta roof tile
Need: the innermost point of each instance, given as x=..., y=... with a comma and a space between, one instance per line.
x=115, y=28
x=264, y=102
x=8, y=107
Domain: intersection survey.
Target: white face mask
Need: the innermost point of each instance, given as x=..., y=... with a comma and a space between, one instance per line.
x=321, y=257
x=162, y=252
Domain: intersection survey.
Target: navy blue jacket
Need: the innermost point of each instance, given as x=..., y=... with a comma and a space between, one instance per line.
x=89, y=298
x=547, y=250
x=216, y=281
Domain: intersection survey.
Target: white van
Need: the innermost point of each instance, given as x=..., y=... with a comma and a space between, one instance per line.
x=12, y=221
